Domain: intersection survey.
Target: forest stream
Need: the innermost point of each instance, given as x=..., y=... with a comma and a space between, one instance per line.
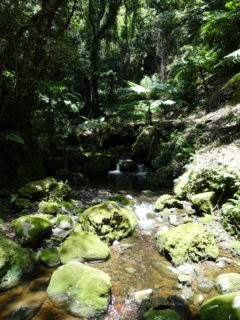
x=134, y=264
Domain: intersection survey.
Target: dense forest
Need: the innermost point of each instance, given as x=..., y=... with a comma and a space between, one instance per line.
x=120, y=118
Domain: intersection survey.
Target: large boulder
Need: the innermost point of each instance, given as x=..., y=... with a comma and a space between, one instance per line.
x=108, y=221
x=188, y=242
x=227, y=283
x=82, y=246
x=31, y=230
x=222, y=307
x=82, y=289
x=203, y=202
x=49, y=257
x=167, y=201
x=48, y=187
x=14, y=261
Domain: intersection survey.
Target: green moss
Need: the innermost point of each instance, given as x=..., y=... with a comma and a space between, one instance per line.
x=231, y=217
x=97, y=165
x=30, y=230
x=23, y=204
x=109, y=221
x=49, y=257
x=64, y=221
x=14, y=261
x=122, y=201
x=221, y=308
x=83, y=245
x=48, y=207
x=227, y=283
x=83, y=290
x=68, y=205
x=77, y=211
x=167, y=201
x=207, y=219
x=188, y=242
x=161, y=315
x=203, y=202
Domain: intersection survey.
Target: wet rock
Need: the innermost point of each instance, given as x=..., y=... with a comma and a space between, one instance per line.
x=130, y=270
x=22, y=313
x=173, y=220
x=222, y=307
x=167, y=201
x=224, y=261
x=84, y=290
x=187, y=242
x=205, y=284
x=178, y=300
x=227, y=283
x=59, y=235
x=48, y=187
x=203, y=202
x=31, y=230
x=83, y=245
x=198, y=299
x=187, y=293
x=49, y=257
x=161, y=315
x=128, y=166
x=64, y=222
x=109, y=221
x=185, y=279
x=157, y=303
x=163, y=228
x=143, y=295
x=235, y=248
x=14, y=261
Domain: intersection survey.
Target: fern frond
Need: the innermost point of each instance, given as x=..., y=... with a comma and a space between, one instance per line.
x=235, y=78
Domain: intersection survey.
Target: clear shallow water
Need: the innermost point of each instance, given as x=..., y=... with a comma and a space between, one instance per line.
x=134, y=265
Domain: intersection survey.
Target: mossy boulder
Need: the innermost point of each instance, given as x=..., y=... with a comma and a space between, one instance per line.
x=48, y=187
x=14, y=261
x=187, y=242
x=97, y=165
x=203, y=202
x=222, y=307
x=31, y=230
x=22, y=204
x=49, y=257
x=181, y=186
x=167, y=201
x=82, y=246
x=227, y=283
x=84, y=291
x=161, y=315
x=128, y=166
x=122, y=201
x=48, y=207
x=64, y=222
x=109, y=221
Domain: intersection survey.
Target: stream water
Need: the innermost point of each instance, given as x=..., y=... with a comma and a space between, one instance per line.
x=134, y=265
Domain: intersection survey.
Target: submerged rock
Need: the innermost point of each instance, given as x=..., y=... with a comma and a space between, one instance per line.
x=108, y=221
x=83, y=290
x=222, y=308
x=161, y=315
x=14, y=261
x=227, y=283
x=143, y=295
x=203, y=202
x=48, y=187
x=83, y=245
x=188, y=242
x=31, y=230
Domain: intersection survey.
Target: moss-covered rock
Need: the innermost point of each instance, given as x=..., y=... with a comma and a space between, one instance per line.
x=49, y=257
x=203, y=202
x=97, y=165
x=122, y=201
x=188, y=242
x=48, y=187
x=181, y=186
x=206, y=219
x=222, y=307
x=235, y=248
x=14, y=261
x=161, y=315
x=128, y=166
x=23, y=204
x=83, y=290
x=109, y=221
x=83, y=245
x=48, y=207
x=64, y=222
x=227, y=283
x=77, y=227
x=167, y=201
x=31, y=230
x=231, y=216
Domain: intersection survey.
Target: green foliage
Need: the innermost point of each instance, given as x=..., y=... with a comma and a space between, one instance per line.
x=14, y=136
x=231, y=216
